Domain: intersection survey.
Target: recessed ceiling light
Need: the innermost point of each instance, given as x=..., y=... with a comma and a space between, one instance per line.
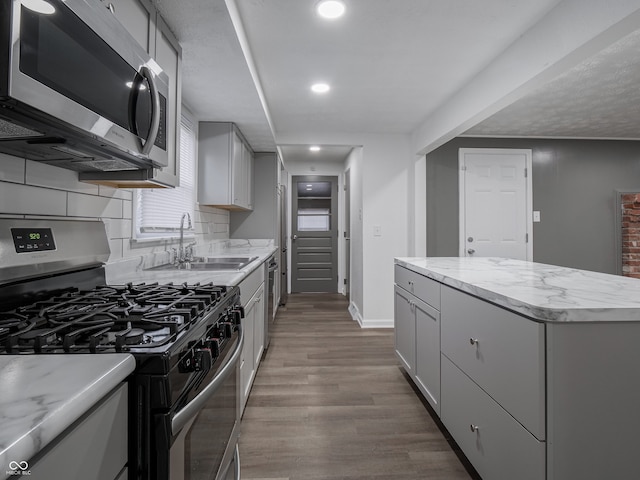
x=39, y=6
x=330, y=9
x=320, y=88
x=314, y=148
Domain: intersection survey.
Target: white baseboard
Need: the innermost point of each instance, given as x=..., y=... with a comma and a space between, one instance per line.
x=355, y=315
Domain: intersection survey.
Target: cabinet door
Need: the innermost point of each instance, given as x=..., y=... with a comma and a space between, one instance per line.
x=249, y=177
x=258, y=331
x=138, y=17
x=169, y=57
x=427, y=372
x=404, y=330
x=246, y=360
x=493, y=441
x=238, y=170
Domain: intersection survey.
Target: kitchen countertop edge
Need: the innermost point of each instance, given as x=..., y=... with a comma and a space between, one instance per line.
x=58, y=390
x=545, y=293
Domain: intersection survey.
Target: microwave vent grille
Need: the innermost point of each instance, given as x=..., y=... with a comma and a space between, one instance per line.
x=11, y=130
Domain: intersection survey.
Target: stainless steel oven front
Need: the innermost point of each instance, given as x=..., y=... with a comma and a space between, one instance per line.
x=202, y=435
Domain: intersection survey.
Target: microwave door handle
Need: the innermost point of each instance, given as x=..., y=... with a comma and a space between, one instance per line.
x=146, y=147
x=191, y=409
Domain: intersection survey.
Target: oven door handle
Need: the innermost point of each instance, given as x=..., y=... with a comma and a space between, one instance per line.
x=191, y=409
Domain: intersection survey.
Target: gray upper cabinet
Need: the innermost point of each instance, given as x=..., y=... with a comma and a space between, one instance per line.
x=225, y=167
x=144, y=23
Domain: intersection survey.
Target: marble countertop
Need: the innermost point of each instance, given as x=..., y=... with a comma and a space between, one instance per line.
x=136, y=270
x=547, y=293
x=42, y=395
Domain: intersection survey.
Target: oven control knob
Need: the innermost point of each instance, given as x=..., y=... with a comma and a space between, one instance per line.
x=214, y=347
x=187, y=363
x=236, y=316
x=202, y=360
x=228, y=329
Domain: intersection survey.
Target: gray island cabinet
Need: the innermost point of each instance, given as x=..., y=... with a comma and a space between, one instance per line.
x=532, y=368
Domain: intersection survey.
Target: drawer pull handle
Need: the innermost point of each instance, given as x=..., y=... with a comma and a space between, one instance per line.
x=474, y=428
x=473, y=341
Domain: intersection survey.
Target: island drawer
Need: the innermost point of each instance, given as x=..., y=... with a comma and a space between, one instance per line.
x=424, y=288
x=495, y=444
x=501, y=351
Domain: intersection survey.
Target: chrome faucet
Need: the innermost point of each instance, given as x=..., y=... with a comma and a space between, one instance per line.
x=182, y=256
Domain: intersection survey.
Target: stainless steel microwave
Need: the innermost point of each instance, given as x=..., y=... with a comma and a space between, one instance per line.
x=77, y=90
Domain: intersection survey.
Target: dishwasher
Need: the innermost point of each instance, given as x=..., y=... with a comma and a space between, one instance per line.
x=272, y=269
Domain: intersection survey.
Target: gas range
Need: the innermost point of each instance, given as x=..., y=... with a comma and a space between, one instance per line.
x=186, y=339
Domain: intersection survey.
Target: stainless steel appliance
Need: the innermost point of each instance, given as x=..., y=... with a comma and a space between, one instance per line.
x=272, y=274
x=76, y=89
x=283, y=242
x=186, y=339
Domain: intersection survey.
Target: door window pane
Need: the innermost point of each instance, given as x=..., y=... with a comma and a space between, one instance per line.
x=314, y=220
x=314, y=206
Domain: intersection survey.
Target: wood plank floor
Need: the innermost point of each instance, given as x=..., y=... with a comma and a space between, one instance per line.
x=330, y=402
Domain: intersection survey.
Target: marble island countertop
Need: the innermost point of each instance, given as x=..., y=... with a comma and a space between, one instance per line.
x=543, y=292
x=42, y=395
x=138, y=269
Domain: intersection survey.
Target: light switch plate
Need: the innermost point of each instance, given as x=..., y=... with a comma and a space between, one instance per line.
x=536, y=216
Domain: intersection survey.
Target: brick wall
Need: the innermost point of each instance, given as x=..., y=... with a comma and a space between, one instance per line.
x=631, y=235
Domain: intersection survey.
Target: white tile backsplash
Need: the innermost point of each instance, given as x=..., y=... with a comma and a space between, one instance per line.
x=80, y=205
x=12, y=169
x=123, y=193
x=38, y=190
x=25, y=199
x=43, y=175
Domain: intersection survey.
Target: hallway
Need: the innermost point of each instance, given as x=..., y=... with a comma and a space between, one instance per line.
x=330, y=402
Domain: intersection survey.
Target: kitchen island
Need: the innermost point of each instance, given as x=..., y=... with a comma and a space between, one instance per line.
x=64, y=415
x=532, y=368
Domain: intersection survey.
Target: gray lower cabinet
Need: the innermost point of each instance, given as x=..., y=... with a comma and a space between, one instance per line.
x=253, y=300
x=417, y=332
x=93, y=448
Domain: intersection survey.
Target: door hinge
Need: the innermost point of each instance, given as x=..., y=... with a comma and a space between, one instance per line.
x=526, y=172
x=345, y=281
x=526, y=238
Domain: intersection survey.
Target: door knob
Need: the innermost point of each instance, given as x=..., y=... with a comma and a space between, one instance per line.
x=294, y=237
x=471, y=251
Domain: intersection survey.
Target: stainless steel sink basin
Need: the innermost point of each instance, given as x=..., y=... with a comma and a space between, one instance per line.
x=210, y=263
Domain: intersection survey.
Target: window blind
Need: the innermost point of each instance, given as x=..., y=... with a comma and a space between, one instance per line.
x=159, y=211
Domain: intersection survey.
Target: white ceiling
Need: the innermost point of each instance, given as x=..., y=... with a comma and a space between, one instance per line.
x=390, y=64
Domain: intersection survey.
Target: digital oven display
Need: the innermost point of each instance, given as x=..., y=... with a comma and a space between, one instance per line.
x=32, y=239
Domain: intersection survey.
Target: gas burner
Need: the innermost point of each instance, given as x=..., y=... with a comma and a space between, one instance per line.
x=107, y=317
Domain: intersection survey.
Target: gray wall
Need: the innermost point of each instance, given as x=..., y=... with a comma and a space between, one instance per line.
x=574, y=184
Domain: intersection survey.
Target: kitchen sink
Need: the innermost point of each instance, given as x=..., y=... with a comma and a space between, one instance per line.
x=209, y=263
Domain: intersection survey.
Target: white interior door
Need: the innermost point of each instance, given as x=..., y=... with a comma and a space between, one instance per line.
x=495, y=203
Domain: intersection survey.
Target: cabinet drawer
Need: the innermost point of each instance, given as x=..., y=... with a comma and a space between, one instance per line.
x=250, y=284
x=501, y=351
x=422, y=287
x=496, y=445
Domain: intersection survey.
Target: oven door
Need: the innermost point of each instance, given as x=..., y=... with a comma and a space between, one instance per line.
x=77, y=65
x=206, y=430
